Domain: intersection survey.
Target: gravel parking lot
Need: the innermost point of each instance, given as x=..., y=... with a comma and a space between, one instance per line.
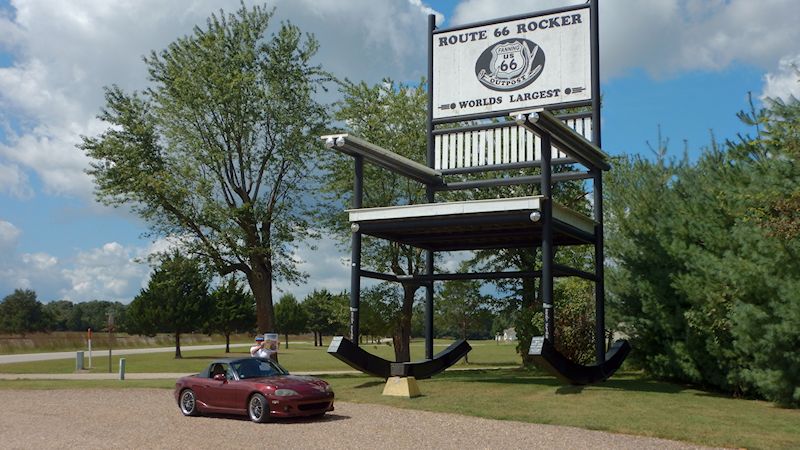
x=149, y=418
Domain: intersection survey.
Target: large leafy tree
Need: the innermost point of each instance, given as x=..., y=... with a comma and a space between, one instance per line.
x=291, y=317
x=234, y=310
x=175, y=301
x=393, y=116
x=21, y=312
x=327, y=313
x=217, y=150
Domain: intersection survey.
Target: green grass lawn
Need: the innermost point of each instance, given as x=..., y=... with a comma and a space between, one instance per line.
x=628, y=403
x=299, y=357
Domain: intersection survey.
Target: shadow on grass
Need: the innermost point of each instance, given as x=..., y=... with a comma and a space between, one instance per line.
x=369, y=384
x=626, y=381
x=569, y=389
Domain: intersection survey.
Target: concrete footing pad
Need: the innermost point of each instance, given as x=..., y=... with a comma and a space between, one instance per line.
x=402, y=387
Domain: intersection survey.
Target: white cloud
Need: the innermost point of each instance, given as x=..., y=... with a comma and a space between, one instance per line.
x=785, y=81
x=39, y=261
x=14, y=181
x=65, y=52
x=667, y=37
x=9, y=236
x=327, y=265
x=109, y=272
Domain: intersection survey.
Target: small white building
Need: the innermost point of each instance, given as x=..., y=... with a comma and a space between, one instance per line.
x=509, y=334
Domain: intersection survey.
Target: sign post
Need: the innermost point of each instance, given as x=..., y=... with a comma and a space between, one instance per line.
x=110, y=337
x=89, y=339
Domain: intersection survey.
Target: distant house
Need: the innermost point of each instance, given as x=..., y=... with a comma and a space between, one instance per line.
x=509, y=334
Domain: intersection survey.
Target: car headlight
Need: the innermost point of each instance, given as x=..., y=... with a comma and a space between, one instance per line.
x=285, y=392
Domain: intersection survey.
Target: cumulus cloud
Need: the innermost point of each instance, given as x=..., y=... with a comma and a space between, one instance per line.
x=64, y=53
x=327, y=265
x=109, y=272
x=9, y=236
x=785, y=81
x=668, y=37
x=14, y=181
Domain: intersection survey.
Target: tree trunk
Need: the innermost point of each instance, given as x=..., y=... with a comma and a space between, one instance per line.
x=287, y=340
x=260, y=280
x=178, y=346
x=227, y=342
x=401, y=337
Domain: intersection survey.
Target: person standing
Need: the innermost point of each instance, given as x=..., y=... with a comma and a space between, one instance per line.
x=258, y=350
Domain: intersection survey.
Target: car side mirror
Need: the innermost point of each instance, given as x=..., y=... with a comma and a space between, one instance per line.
x=220, y=377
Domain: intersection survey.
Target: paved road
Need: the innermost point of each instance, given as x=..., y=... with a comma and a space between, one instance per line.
x=28, y=357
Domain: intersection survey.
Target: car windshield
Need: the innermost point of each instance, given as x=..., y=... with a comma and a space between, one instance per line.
x=256, y=368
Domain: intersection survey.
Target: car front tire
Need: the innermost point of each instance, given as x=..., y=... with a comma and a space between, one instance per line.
x=188, y=403
x=258, y=408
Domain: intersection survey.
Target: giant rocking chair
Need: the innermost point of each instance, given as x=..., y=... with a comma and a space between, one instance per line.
x=533, y=139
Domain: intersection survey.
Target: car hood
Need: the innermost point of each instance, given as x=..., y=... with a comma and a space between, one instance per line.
x=301, y=384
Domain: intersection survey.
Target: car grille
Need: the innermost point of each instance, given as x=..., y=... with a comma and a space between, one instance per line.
x=313, y=406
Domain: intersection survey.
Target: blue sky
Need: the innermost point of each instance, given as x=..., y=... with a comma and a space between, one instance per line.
x=683, y=65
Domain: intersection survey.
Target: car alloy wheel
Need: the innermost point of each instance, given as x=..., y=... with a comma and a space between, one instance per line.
x=188, y=403
x=258, y=409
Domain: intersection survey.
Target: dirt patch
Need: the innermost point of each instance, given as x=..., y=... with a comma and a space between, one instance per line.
x=149, y=418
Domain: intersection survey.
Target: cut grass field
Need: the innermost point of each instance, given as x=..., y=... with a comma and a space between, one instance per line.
x=299, y=357
x=628, y=403
x=60, y=341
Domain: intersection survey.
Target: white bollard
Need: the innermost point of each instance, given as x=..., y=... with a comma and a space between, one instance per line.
x=122, y=368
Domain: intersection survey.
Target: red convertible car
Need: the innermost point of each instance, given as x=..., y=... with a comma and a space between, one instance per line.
x=257, y=387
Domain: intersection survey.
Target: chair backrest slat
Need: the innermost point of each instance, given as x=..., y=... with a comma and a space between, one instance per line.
x=499, y=145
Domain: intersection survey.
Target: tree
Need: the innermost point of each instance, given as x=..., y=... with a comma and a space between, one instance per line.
x=234, y=310
x=94, y=314
x=462, y=307
x=21, y=312
x=291, y=317
x=327, y=313
x=176, y=300
x=59, y=314
x=393, y=116
x=705, y=273
x=218, y=150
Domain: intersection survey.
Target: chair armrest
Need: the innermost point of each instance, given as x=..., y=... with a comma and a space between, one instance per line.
x=568, y=141
x=352, y=146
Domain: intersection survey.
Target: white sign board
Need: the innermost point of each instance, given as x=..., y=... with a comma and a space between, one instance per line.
x=514, y=65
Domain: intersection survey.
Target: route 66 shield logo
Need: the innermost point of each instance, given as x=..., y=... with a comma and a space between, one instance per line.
x=510, y=64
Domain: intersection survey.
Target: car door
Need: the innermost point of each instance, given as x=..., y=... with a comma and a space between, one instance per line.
x=227, y=395
x=236, y=391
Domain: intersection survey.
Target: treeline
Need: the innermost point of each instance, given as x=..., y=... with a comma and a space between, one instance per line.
x=705, y=267
x=21, y=312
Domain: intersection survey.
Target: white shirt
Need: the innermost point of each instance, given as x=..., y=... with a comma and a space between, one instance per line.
x=258, y=351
